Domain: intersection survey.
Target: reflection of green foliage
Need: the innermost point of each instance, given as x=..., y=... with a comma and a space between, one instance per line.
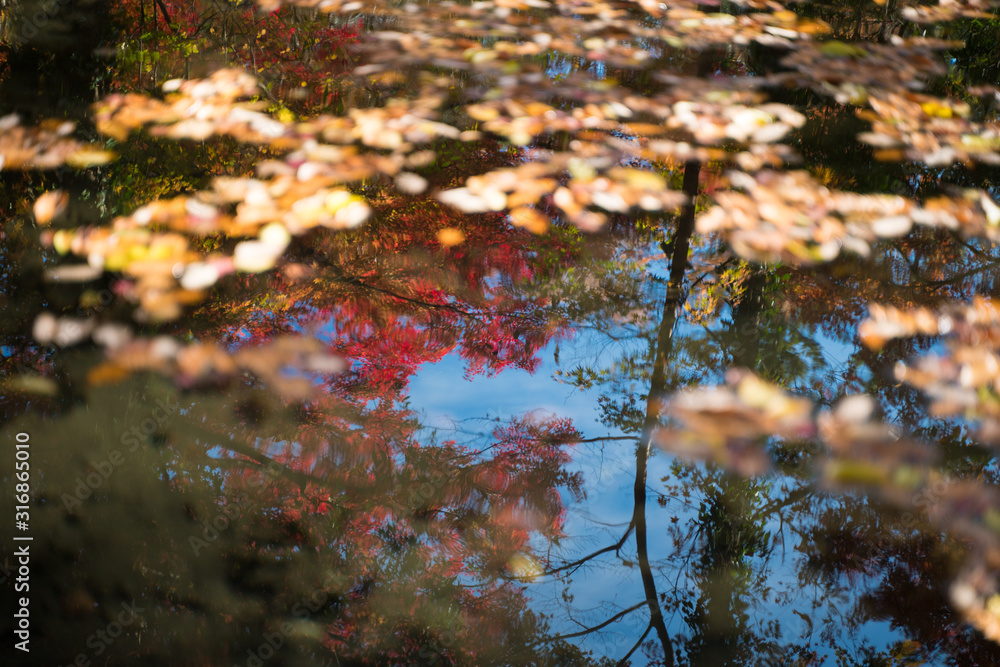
x=976, y=63
x=150, y=168
x=729, y=521
x=728, y=576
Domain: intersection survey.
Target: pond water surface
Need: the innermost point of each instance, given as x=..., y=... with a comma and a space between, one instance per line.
x=435, y=436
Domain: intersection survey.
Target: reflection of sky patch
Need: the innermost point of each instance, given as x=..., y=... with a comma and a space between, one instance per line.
x=446, y=400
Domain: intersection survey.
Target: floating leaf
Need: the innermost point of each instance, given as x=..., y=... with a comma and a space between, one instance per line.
x=254, y=256
x=450, y=236
x=88, y=156
x=50, y=206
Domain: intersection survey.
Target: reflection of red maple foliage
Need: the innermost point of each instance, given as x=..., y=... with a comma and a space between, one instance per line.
x=419, y=531
x=416, y=533
x=390, y=298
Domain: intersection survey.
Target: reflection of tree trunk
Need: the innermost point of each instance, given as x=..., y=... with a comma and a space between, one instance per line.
x=657, y=386
x=639, y=521
x=681, y=244
x=166, y=15
x=678, y=251
x=746, y=322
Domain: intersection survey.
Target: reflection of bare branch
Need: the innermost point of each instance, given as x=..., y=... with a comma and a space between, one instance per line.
x=595, y=628
x=574, y=565
x=985, y=256
x=266, y=463
x=989, y=263
x=624, y=661
x=780, y=503
x=604, y=438
x=356, y=282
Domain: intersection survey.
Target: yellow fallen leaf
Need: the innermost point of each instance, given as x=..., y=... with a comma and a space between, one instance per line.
x=107, y=373
x=90, y=156
x=525, y=567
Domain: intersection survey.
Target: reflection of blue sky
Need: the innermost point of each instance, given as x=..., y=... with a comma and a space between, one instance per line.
x=446, y=400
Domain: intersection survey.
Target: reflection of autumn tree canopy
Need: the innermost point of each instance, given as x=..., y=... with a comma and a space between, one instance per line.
x=358, y=547
x=426, y=539
x=462, y=512
x=420, y=530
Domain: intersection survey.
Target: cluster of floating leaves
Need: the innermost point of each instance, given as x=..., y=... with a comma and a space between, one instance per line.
x=606, y=131
x=594, y=181
x=288, y=364
x=710, y=116
x=501, y=42
x=153, y=246
x=723, y=424
x=46, y=146
x=730, y=424
x=620, y=34
x=947, y=10
x=848, y=72
x=718, y=119
x=290, y=196
x=611, y=134
x=933, y=130
x=791, y=217
x=202, y=108
x=864, y=451
x=961, y=381
x=695, y=29
x=195, y=109
x=726, y=425
x=304, y=189
x=617, y=132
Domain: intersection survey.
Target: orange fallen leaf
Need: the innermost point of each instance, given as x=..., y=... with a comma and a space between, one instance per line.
x=450, y=236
